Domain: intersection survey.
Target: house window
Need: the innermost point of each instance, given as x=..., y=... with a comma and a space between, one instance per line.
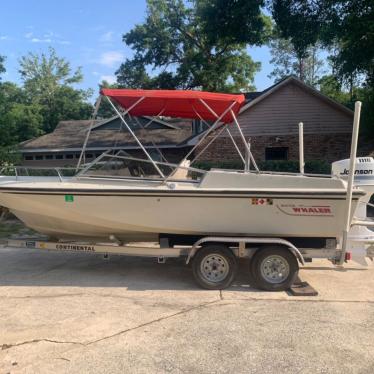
x=39, y=157
x=49, y=157
x=77, y=155
x=276, y=153
x=69, y=156
x=59, y=157
x=29, y=158
x=89, y=155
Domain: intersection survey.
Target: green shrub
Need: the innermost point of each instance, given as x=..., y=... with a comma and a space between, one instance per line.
x=9, y=156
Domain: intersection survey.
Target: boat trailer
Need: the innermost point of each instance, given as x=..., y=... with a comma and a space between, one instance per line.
x=273, y=262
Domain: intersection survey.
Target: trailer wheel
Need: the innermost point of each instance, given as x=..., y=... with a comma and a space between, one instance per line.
x=274, y=269
x=214, y=267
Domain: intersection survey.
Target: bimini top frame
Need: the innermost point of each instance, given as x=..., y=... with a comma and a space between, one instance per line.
x=206, y=106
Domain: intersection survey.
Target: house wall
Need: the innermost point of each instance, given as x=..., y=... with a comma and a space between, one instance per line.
x=281, y=111
x=326, y=147
x=273, y=122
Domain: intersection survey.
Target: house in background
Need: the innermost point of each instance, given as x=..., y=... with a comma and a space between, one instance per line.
x=269, y=119
x=62, y=147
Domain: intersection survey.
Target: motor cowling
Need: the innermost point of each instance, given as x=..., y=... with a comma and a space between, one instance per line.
x=364, y=170
x=364, y=179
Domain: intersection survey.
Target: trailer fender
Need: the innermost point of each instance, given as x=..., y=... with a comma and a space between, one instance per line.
x=244, y=240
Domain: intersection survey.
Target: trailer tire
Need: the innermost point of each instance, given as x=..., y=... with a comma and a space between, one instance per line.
x=274, y=268
x=214, y=267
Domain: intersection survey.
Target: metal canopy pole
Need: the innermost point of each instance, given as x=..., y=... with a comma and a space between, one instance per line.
x=301, y=148
x=213, y=127
x=147, y=124
x=247, y=162
x=227, y=129
x=244, y=141
x=94, y=114
x=352, y=167
x=235, y=145
x=207, y=146
x=133, y=134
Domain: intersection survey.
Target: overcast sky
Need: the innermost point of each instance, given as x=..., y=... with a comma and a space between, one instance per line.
x=86, y=33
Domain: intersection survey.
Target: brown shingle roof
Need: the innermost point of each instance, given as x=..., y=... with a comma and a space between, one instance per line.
x=71, y=134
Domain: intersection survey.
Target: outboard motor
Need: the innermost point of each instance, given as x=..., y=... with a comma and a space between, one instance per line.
x=360, y=238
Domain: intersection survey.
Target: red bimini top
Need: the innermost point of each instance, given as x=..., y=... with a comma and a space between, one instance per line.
x=179, y=104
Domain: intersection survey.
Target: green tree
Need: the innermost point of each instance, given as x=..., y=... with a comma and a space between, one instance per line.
x=19, y=120
x=2, y=67
x=200, y=44
x=105, y=109
x=234, y=21
x=348, y=26
x=48, y=82
x=287, y=62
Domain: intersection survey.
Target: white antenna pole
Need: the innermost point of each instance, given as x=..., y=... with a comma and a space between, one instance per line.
x=301, y=148
x=248, y=157
x=352, y=165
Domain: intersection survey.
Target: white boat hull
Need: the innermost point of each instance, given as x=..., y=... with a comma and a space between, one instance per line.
x=87, y=211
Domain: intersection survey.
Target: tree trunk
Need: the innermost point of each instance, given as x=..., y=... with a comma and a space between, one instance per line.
x=301, y=69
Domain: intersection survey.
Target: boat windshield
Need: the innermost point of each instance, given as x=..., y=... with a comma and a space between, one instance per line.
x=121, y=165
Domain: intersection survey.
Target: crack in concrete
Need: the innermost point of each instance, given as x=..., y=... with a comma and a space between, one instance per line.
x=42, y=296
x=8, y=346
x=184, y=311
x=62, y=358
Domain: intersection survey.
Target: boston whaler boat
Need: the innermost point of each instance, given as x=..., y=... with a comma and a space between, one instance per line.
x=213, y=217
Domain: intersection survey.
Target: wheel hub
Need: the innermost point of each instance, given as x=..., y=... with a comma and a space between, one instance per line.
x=214, y=268
x=275, y=269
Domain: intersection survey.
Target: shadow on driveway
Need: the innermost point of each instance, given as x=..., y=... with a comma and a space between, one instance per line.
x=22, y=267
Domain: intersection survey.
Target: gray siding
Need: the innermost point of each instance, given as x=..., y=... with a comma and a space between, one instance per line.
x=281, y=111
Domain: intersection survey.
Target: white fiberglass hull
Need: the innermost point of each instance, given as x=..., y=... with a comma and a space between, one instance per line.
x=96, y=210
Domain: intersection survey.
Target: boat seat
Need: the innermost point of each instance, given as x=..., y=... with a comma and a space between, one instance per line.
x=182, y=173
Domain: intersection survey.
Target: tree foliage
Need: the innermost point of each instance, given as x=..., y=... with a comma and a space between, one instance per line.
x=46, y=97
x=346, y=26
x=105, y=109
x=198, y=45
x=286, y=62
x=48, y=83
x=2, y=67
x=19, y=120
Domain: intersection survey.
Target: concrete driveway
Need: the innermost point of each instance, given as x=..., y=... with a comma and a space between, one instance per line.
x=78, y=313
